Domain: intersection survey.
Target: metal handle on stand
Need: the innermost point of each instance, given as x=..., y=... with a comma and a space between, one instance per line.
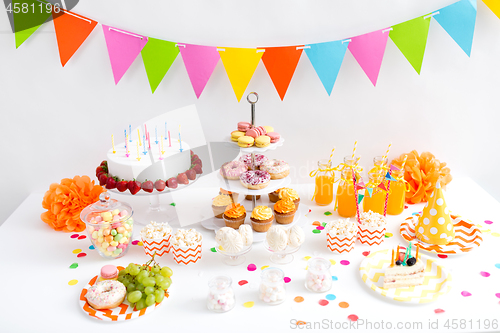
x=252, y=107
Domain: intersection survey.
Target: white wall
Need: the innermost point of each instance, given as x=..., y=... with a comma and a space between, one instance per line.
x=56, y=122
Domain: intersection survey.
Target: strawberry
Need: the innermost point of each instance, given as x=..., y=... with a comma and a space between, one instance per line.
x=191, y=153
x=111, y=183
x=197, y=169
x=182, y=178
x=160, y=185
x=198, y=161
x=103, y=178
x=104, y=163
x=148, y=186
x=191, y=174
x=134, y=186
x=172, y=183
x=194, y=157
x=99, y=169
x=122, y=186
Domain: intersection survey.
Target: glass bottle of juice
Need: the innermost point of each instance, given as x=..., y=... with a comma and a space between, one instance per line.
x=346, y=201
x=396, y=202
x=376, y=202
x=324, y=183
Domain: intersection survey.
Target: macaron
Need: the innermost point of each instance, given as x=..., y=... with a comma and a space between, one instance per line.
x=268, y=129
x=256, y=131
x=275, y=137
x=262, y=141
x=109, y=272
x=244, y=126
x=245, y=141
x=235, y=135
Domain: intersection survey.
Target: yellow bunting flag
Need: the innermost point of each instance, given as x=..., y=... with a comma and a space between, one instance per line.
x=240, y=64
x=494, y=5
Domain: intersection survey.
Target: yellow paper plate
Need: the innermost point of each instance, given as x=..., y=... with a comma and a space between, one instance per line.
x=437, y=281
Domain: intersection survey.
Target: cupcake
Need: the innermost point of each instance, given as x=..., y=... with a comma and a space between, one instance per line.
x=284, y=210
x=234, y=216
x=262, y=218
x=290, y=193
x=249, y=197
x=234, y=196
x=220, y=203
x=274, y=196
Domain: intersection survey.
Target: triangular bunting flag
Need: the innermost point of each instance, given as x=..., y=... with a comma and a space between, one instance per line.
x=459, y=21
x=123, y=48
x=360, y=198
x=359, y=187
x=411, y=38
x=158, y=55
x=389, y=177
x=200, y=62
x=240, y=64
x=71, y=31
x=26, y=23
x=361, y=183
x=280, y=63
x=394, y=168
x=382, y=186
x=494, y=6
x=368, y=50
x=326, y=59
x=370, y=191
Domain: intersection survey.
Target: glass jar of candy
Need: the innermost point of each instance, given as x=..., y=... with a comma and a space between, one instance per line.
x=272, y=286
x=318, y=276
x=221, y=295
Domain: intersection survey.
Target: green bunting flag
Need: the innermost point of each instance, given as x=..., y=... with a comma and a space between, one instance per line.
x=360, y=198
x=158, y=55
x=30, y=16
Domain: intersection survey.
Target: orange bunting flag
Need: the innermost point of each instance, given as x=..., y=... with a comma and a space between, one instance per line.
x=71, y=31
x=280, y=63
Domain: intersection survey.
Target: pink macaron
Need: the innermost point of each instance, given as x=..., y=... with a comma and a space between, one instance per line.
x=275, y=137
x=256, y=131
x=109, y=272
x=244, y=126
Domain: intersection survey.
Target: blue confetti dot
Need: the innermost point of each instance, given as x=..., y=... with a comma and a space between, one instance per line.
x=330, y=297
x=414, y=213
x=497, y=265
x=91, y=247
x=334, y=278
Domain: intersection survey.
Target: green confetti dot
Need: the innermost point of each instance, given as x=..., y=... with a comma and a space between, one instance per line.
x=388, y=235
x=323, y=224
x=73, y=265
x=328, y=213
x=172, y=204
x=316, y=231
x=213, y=249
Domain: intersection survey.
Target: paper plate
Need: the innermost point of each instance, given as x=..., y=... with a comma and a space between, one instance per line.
x=437, y=281
x=123, y=312
x=467, y=236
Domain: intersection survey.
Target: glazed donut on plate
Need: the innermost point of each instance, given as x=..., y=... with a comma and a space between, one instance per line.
x=255, y=180
x=277, y=168
x=232, y=170
x=247, y=159
x=106, y=294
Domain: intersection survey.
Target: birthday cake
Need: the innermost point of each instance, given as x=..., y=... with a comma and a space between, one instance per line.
x=404, y=270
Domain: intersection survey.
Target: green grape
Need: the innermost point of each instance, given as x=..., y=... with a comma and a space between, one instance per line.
x=165, y=284
x=159, y=296
x=159, y=278
x=141, y=304
x=121, y=279
x=156, y=269
x=150, y=300
x=139, y=278
x=166, y=271
x=134, y=296
x=168, y=279
x=142, y=275
x=134, y=270
x=130, y=287
x=122, y=272
x=148, y=282
x=144, y=296
x=139, y=287
x=151, y=273
x=149, y=290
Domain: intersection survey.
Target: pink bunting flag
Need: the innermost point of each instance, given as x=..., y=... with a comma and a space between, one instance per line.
x=368, y=50
x=200, y=62
x=123, y=48
x=394, y=168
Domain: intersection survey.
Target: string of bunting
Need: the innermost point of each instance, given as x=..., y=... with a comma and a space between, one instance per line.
x=457, y=19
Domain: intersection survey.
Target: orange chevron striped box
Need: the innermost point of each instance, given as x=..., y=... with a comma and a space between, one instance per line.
x=186, y=255
x=371, y=235
x=158, y=246
x=340, y=244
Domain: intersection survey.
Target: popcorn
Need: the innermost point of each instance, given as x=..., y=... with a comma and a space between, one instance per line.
x=156, y=230
x=342, y=227
x=186, y=238
x=371, y=219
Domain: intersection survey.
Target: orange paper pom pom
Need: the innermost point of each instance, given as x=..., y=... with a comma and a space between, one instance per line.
x=64, y=203
x=422, y=173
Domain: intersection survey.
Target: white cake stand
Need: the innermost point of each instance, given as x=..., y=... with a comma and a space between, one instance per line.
x=281, y=257
x=234, y=259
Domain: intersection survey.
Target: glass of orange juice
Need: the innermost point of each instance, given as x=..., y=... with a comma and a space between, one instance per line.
x=324, y=183
x=376, y=202
x=396, y=203
x=346, y=200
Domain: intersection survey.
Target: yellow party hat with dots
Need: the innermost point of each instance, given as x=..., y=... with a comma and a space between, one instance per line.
x=435, y=225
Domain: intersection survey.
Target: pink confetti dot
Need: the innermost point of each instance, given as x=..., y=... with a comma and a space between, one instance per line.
x=352, y=317
x=320, y=228
x=309, y=210
x=497, y=295
x=344, y=262
x=251, y=267
x=442, y=256
x=485, y=274
x=242, y=282
x=74, y=235
x=406, y=207
x=80, y=255
x=287, y=279
x=438, y=311
x=488, y=222
x=366, y=253
x=135, y=242
x=82, y=237
x=466, y=294
x=323, y=302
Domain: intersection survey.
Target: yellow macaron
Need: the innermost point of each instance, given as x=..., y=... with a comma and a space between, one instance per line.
x=245, y=141
x=235, y=135
x=262, y=141
x=268, y=129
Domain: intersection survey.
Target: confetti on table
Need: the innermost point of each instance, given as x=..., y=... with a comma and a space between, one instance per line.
x=300, y=322
x=72, y=282
x=414, y=213
x=82, y=237
x=251, y=267
x=442, y=256
x=264, y=267
x=73, y=265
x=91, y=247
x=316, y=231
x=406, y=207
x=323, y=224
x=333, y=262
x=320, y=228
x=488, y=222
x=76, y=251
x=366, y=253
x=466, y=294
x=328, y=213
x=81, y=255
x=352, y=317
x=248, y=304
x=299, y=299
x=306, y=258
x=330, y=297
x=388, y=235
x=213, y=249
x=74, y=235
x=485, y=274
x=172, y=204
x=316, y=223
x=438, y=311
x=334, y=278
x=140, y=243
x=135, y=242
x=287, y=279
x=497, y=265
x=344, y=305
x=242, y=282
x=309, y=211
x=344, y=262
x=323, y=302
x=495, y=234
x=497, y=295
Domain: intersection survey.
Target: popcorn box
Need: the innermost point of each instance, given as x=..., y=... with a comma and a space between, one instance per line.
x=371, y=235
x=159, y=246
x=184, y=255
x=340, y=244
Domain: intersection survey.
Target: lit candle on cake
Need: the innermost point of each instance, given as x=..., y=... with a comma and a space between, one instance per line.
x=162, y=149
x=138, y=154
x=149, y=140
x=139, y=137
x=180, y=142
x=144, y=144
x=113, y=143
x=125, y=131
x=130, y=132
x=169, y=140
x=156, y=134
x=126, y=146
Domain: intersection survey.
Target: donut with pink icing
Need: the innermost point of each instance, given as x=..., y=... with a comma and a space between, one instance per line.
x=233, y=170
x=247, y=159
x=255, y=180
x=106, y=294
x=276, y=168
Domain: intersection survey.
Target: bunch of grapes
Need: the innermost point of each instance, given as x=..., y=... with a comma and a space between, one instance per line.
x=146, y=284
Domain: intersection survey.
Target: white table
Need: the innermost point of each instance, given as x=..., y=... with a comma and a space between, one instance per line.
x=36, y=297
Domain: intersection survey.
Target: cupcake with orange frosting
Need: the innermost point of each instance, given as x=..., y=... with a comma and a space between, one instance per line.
x=234, y=196
x=284, y=210
x=234, y=216
x=286, y=192
x=262, y=218
x=220, y=203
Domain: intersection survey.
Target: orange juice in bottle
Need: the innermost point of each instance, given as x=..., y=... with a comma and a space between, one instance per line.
x=346, y=200
x=324, y=183
x=376, y=202
x=396, y=203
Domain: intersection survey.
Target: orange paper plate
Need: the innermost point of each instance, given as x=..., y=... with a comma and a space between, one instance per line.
x=467, y=236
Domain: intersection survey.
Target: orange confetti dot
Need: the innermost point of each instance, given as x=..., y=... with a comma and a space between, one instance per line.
x=76, y=251
x=344, y=305
x=316, y=223
x=300, y=322
x=299, y=299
